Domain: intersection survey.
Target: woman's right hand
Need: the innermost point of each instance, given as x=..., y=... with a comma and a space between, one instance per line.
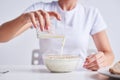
x=42, y=18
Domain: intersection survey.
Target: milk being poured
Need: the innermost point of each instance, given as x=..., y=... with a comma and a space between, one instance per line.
x=62, y=47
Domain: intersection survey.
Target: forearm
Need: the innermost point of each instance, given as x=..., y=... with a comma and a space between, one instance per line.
x=13, y=28
x=103, y=45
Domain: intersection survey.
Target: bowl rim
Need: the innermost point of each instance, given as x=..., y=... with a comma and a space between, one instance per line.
x=61, y=57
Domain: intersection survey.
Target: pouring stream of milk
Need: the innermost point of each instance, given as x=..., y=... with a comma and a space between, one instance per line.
x=62, y=47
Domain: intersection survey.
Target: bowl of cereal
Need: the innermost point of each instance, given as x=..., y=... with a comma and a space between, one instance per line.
x=61, y=63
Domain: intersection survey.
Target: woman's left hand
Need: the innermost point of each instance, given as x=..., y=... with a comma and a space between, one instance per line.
x=95, y=61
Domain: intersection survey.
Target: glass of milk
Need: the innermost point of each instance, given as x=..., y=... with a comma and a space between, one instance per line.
x=56, y=31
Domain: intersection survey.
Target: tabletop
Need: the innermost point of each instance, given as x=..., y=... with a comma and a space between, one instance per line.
x=40, y=72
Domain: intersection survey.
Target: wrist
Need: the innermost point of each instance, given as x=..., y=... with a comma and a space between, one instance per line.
x=109, y=59
x=25, y=18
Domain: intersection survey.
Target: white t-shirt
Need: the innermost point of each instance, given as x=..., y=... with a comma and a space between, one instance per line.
x=80, y=23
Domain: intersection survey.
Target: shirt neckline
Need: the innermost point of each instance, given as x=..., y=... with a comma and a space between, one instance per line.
x=70, y=11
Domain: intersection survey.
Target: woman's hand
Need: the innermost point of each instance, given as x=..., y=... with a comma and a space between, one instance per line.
x=95, y=61
x=41, y=18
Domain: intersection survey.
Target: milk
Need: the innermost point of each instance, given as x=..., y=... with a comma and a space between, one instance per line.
x=62, y=47
x=48, y=35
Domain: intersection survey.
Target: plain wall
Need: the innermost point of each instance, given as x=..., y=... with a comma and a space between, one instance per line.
x=18, y=50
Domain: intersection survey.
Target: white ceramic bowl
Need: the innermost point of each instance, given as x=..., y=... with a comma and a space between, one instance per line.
x=59, y=64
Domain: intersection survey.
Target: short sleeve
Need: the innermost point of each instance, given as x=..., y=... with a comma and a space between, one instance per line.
x=0, y=23
x=98, y=23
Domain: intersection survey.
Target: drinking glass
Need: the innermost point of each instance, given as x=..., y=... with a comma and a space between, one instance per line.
x=53, y=32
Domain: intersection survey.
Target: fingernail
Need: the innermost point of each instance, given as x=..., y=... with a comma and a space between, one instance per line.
x=42, y=29
x=35, y=26
x=60, y=18
x=87, y=58
x=46, y=28
x=86, y=63
x=84, y=66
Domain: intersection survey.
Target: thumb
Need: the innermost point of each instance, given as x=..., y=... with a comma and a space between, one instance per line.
x=55, y=14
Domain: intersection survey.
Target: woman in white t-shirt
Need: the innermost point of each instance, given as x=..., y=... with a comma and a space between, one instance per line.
x=80, y=22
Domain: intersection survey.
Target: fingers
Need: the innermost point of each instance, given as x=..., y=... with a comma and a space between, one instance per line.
x=93, y=57
x=96, y=64
x=32, y=18
x=46, y=19
x=40, y=20
x=95, y=67
x=43, y=18
x=94, y=61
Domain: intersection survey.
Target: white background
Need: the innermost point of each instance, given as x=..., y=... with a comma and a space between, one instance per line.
x=18, y=51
